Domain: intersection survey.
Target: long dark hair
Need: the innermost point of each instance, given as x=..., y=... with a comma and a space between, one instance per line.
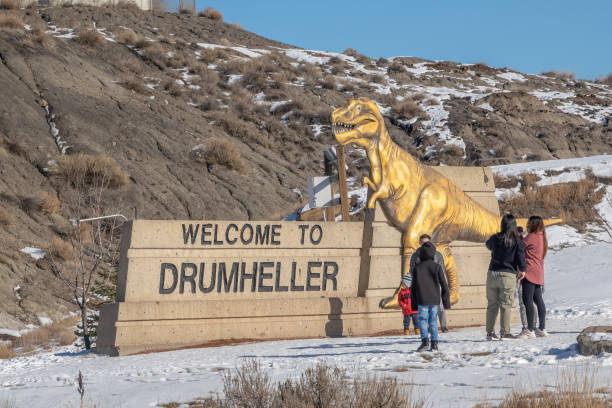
x=508, y=230
x=536, y=224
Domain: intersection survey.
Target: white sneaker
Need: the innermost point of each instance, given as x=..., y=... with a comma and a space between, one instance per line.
x=528, y=334
x=541, y=333
x=524, y=330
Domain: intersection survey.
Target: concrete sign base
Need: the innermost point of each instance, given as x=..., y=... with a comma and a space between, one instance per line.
x=187, y=283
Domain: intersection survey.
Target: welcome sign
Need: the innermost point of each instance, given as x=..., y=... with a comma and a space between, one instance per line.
x=183, y=283
x=174, y=260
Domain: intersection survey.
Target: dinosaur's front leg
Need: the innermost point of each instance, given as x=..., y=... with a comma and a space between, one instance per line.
x=381, y=193
x=451, y=272
x=369, y=183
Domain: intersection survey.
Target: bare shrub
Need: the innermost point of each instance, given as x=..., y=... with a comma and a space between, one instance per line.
x=39, y=34
x=11, y=20
x=134, y=84
x=396, y=68
x=156, y=54
x=5, y=218
x=224, y=41
x=143, y=43
x=328, y=82
x=409, y=109
x=128, y=37
x=186, y=8
x=505, y=182
x=237, y=25
x=30, y=205
x=61, y=249
x=317, y=387
x=606, y=79
x=220, y=151
x=9, y=4
x=173, y=88
x=85, y=169
x=350, y=51
x=211, y=14
x=90, y=38
x=207, y=103
x=561, y=74
x=17, y=149
x=211, y=55
x=431, y=102
x=130, y=65
x=50, y=204
x=241, y=129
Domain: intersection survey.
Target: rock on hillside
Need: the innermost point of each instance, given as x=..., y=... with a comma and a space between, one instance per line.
x=211, y=121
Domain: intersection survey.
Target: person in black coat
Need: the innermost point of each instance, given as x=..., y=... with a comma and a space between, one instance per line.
x=428, y=288
x=507, y=255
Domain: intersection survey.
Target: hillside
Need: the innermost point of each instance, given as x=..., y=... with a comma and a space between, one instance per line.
x=212, y=121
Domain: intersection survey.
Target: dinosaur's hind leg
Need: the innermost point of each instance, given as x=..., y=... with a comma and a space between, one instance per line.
x=451, y=272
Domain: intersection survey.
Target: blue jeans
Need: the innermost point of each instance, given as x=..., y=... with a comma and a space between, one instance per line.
x=408, y=318
x=428, y=318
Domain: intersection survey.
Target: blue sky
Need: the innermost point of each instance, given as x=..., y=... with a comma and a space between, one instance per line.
x=530, y=36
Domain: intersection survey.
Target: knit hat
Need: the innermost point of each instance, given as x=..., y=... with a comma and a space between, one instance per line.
x=407, y=279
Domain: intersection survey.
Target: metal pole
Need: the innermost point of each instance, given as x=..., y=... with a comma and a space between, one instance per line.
x=75, y=221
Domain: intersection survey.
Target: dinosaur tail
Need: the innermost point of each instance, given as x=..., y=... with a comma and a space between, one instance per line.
x=522, y=222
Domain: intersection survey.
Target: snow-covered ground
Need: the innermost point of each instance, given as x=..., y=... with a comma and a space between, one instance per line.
x=466, y=370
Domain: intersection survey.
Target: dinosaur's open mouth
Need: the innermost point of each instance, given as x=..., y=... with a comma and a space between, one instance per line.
x=340, y=127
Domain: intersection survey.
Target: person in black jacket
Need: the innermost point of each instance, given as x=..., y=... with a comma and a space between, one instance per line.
x=428, y=284
x=415, y=259
x=507, y=255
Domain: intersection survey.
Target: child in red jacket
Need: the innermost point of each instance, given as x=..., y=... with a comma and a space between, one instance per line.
x=406, y=304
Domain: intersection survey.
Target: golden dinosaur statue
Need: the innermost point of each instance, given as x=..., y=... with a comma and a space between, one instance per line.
x=413, y=197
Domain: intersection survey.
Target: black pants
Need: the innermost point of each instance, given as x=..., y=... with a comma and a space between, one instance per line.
x=533, y=293
x=407, y=319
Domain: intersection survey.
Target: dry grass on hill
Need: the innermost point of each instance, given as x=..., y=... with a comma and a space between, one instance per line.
x=39, y=35
x=11, y=20
x=567, y=75
x=574, y=201
x=89, y=37
x=222, y=152
x=135, y=84
x=55, y=334
x=49, y=203
x=155, y=53
x=211, y=14
x=409, y=109
x=82, y=168
x=128, y=37
x=130, y=65
x=61, y=249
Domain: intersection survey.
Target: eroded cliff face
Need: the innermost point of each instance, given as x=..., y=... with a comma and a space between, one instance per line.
x=214, y=122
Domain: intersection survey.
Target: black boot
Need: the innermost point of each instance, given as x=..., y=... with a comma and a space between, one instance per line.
x=434, y=345
x=424, y=345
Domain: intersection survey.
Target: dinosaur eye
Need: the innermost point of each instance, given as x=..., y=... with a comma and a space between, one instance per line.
x=358, y=107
